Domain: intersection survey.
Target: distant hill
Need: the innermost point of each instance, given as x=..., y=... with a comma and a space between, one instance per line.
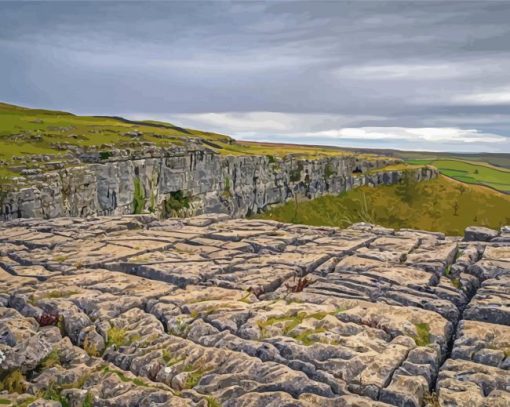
x=472, y=172
x=496, y=159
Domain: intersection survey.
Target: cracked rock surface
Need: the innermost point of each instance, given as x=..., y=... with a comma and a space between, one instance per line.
x=211, y=311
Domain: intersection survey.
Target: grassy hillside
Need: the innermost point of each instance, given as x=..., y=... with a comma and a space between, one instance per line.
x=25, y=133
x=442, y=205
x=36, y=131
x=472, y=172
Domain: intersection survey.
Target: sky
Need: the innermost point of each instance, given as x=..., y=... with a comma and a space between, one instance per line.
x=432, y=75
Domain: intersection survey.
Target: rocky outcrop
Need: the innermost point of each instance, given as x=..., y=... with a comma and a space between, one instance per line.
x=210, y=311
x=170, y=182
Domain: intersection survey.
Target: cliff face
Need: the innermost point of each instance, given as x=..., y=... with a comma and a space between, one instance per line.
x=190, y=182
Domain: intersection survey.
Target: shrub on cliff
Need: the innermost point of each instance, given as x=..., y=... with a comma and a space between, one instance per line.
x=138, y=197
x=407, y=187
x=5, y=187
x=295, y=173
x=175, y=203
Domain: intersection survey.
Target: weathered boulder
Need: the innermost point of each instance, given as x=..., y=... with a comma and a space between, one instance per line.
x=479, y=234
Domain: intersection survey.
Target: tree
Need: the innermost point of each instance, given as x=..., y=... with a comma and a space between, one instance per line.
x=406, y=189
x=296, y=207
x=5, y=187
x=456, y=208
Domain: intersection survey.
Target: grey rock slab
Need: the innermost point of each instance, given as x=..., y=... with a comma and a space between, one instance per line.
x=479, y=234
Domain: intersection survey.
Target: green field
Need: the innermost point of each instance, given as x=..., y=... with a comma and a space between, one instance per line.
x=471, y=172
x=500, y=160
x=442, y=205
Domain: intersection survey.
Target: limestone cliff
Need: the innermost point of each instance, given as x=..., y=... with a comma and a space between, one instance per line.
x=189, y=181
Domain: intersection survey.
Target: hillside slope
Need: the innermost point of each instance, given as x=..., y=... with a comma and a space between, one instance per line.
x=30, y=137
x=442, y=205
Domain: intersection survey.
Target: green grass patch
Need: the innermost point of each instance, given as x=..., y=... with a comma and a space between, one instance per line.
x=306, y=336
x=448, y=270
x=290, y=321
x=212, y=402
x=422, y=337
x=27, y=402
x=171, y=360
x=54, y=392
x=123, y=377
x=59, y=294
x=194, y=375
x=246, y=298
x=5, y=402
x=119, y=337
x=457, y=283
x=13, y=382
x=52, y=360
x=88, y=401
x=138, y=197
x=60, y=259
x=227, y=193
x=397, y=206
x=90, y=348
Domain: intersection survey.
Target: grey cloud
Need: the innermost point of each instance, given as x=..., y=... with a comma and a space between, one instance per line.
x=394, y=64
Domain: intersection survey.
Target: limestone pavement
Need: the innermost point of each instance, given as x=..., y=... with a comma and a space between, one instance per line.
x=210, y=311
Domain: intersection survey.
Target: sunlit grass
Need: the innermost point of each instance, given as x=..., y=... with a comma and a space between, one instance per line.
x=442, y=205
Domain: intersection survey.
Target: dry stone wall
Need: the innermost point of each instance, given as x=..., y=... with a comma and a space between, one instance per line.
x=190, y=183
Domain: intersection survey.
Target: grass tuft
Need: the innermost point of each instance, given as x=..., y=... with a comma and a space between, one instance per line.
x=138, y=197
x=422, y=337
x=119, y=337
x=13, y=382
x=52, y=360
x=193, y=377
x=53, y=392
x=457, y=283
x=212, y=402
x=88, y=401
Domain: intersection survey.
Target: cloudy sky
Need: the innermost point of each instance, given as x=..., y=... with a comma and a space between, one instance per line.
x=431, y=75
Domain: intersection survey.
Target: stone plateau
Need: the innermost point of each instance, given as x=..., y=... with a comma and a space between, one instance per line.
x=210, y=311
